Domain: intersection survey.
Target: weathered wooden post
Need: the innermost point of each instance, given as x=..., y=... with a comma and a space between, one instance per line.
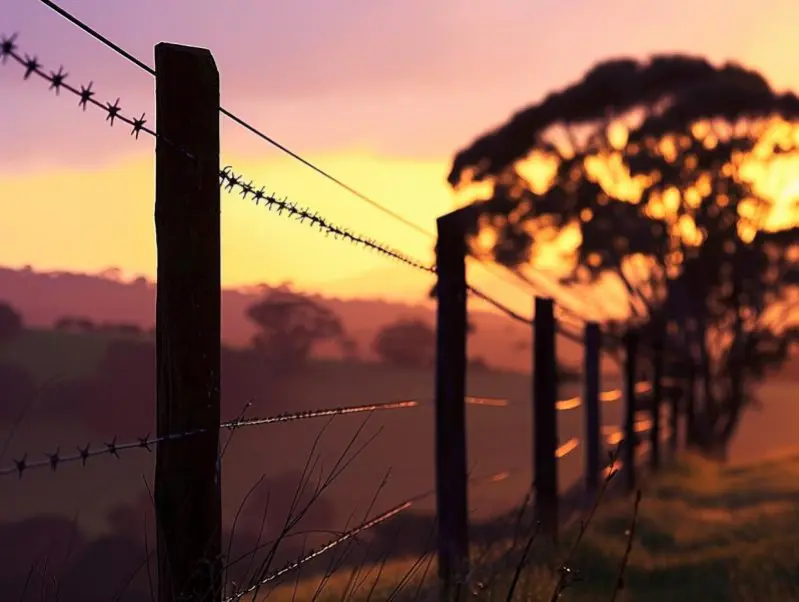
x=545, y=421
x=451, y=468
x=593, y=415
x=628, y=446
x=657, y=398
x=187, y=480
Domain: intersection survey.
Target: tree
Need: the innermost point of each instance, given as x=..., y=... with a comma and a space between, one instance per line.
x=406, y=343
x=653, y=167
x=349, y=348
x=290, y=325
x=10, y=322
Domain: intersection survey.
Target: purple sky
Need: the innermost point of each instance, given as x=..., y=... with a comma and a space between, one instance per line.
x=382, y=93
x=414, y=78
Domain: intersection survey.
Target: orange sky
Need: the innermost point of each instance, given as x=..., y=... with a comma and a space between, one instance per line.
x=77, y=195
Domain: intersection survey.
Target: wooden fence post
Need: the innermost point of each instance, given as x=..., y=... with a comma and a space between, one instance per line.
x=628, y=446
x=545, y=421
x=451, y=468
x=187, y=480
x=657, y=398
x=593, y=416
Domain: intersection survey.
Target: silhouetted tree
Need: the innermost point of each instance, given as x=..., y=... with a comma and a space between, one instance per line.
x=290, y=324
x=654, y=165
x=349, y=348
x=406, y=343
x=10, y=322
x=74, y=324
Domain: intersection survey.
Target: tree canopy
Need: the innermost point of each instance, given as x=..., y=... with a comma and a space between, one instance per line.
x=290, y=325
x=657, y=165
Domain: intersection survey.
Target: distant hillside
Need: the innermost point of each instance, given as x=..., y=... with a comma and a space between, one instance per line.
x=44, y=297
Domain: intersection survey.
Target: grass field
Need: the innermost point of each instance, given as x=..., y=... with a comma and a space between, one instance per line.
x=704, y=533
x=728, y=531
x=498, y=438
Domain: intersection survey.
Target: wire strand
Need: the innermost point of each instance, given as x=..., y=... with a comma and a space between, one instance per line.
x=254, y=130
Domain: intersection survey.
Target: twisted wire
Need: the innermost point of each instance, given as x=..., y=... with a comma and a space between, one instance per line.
x=228, y=179
x=252, y=129
x=112, y=448
x=57, y=81
x=247, y=189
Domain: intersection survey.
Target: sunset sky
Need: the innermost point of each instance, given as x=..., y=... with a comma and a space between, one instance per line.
x=381, y=94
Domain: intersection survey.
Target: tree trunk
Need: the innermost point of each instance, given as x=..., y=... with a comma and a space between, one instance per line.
x=714, y=428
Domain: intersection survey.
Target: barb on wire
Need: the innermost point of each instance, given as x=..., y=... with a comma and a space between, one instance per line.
x=84, y=94
x=82, y=454
x=247, y=189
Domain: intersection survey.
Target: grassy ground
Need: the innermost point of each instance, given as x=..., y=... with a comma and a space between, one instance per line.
x=498, y=438
x=704, y=533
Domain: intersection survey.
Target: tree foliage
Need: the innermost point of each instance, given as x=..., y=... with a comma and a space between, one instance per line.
x=10, y=322
x=406, y=343
x=290, y=325
x=658, y=164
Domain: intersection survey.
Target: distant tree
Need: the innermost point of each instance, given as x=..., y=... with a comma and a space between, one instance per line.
x=652, y=165
x=290, y=325
x=74, y=324
x=129, y=328
x=10, y=322
x=406, y=343
x=349, y=348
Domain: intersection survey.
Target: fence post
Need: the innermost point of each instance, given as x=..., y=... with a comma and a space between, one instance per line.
x=593, y=417
x=450, y=446
x=545, y=421
x=657, y=398
x=187, y=223
x=628, y=446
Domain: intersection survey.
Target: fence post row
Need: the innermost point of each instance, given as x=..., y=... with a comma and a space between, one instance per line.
x=628, y=444
x=187, y=225
x=545, y=422
x=450, y=412
x=593, y=416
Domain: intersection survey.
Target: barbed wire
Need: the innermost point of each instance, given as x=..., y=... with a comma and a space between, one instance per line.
x=250, y=190
x=85, y=94
x=113, y=448
x=252, y=129
x=113, y=112
x=55, y=459
x=352, y=533
x=228, y=179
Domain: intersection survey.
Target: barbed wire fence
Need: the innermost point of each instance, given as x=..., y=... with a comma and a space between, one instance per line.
x=453, y=559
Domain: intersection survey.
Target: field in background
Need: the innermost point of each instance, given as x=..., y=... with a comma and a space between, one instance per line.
x=498, y=438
